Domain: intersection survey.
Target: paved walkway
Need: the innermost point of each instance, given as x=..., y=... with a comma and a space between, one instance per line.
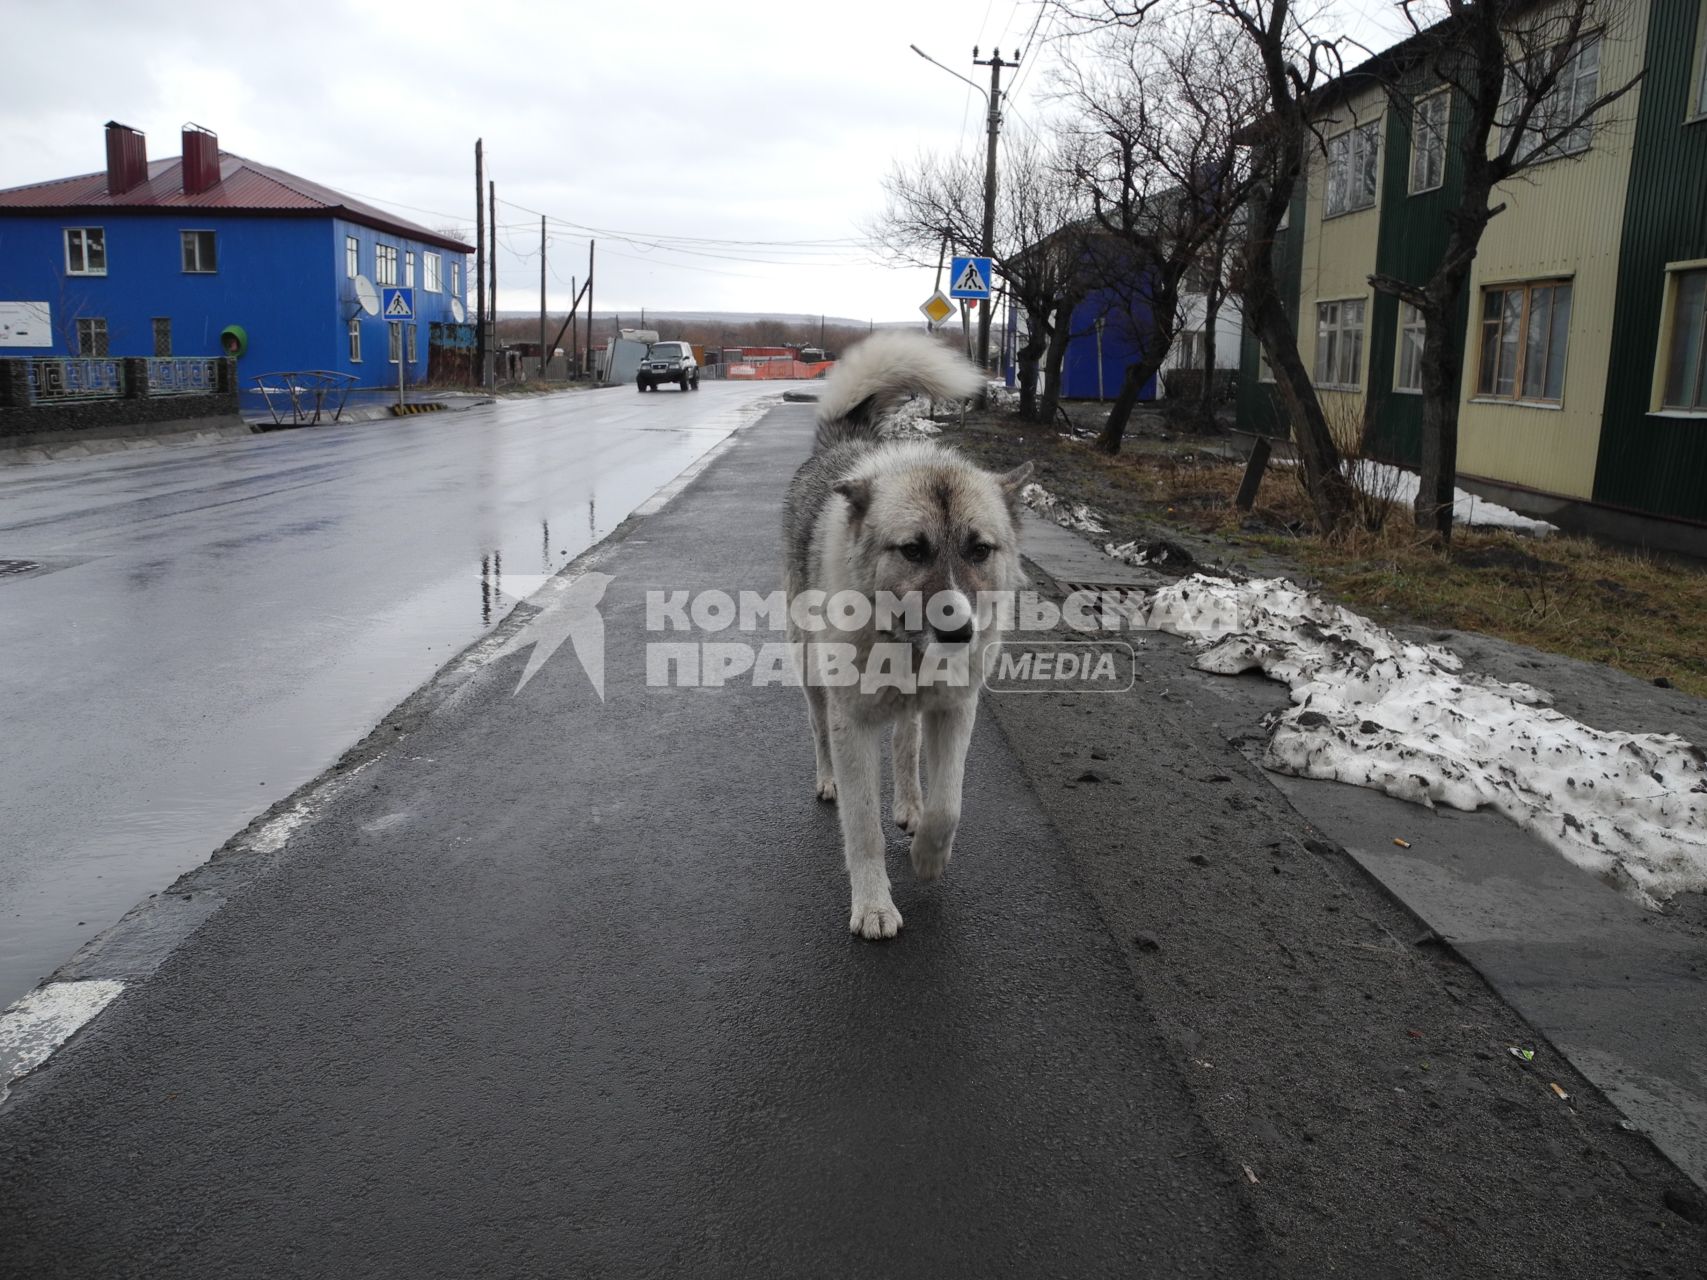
x=559, y=986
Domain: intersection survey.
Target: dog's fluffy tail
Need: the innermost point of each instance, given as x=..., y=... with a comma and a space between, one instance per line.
x=872, y=376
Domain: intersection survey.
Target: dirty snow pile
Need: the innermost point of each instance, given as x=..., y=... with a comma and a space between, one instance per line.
x=1400, y=487
x=1375, y=711
x=910, y=420
x=1002, y=396
x=1057, y=510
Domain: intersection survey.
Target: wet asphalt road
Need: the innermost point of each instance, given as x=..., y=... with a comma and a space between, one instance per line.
x=562, y=986
x=215, y=624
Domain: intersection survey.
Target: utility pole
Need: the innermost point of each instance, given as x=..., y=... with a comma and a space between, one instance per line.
x=591, y=245
x=479, y=261
x=574, y=332
x=542, y=351
x=492, y=259
x=994, y=123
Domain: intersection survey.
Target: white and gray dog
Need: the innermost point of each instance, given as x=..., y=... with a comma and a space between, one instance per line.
x=894, y=523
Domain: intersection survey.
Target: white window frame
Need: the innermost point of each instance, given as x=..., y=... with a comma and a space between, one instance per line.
x=393, y=341
x=83, y=248
x=408, y=268
x=432, y=273
x=1339, y=361
x=1675, y=271
x=184, y=243
x=455, y=278
x=1569, y=87
x=355, y=340
x=1410, y=323
x=1520, y=372
x=1356, y=151
x=414, y=351
x=1428, y=140
x=385, y=264
x=352, y=257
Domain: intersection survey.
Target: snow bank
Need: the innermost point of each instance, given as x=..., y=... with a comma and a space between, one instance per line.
x=1376, y=711
x=1383, y=481
x=910, y=420
x=1069, y=515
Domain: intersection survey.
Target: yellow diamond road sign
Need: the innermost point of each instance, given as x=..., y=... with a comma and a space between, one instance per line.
x=937, y=308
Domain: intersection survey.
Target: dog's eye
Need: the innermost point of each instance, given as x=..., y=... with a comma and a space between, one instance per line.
x=914, y=551
x=979, y=552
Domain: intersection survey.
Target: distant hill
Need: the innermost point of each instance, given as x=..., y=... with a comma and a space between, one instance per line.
x=654, y=318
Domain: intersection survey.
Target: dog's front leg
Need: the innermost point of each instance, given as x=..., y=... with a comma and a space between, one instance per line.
x=947, y=734
x=904, y=758
x=856, y=750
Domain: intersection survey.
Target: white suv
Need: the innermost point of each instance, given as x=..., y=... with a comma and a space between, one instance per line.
x=668, y=362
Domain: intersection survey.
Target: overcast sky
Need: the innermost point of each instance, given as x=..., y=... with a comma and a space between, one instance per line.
x=736, y=125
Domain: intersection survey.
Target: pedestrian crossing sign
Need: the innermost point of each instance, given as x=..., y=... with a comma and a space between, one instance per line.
x=397, y=304
x=937, y=308
x=970, y=278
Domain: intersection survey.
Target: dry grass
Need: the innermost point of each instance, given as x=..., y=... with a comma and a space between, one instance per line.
x=1564, y=595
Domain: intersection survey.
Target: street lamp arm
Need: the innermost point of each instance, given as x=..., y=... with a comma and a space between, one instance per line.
x=951, y=71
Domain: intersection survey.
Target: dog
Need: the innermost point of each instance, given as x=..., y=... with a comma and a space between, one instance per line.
x=887, y=521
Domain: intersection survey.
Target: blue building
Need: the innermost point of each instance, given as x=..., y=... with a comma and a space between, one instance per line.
x=156, y=259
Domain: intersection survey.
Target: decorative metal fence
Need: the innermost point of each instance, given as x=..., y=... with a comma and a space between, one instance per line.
x=76, y=378
x=183, y=375
x=304, y=395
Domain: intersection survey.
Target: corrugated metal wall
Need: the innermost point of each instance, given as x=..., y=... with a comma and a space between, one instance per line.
x=1650, y=463
x=1257, y=405
x=1412, y=239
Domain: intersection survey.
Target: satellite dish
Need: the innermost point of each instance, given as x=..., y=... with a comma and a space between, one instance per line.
x=456, y=309
x=367, y=295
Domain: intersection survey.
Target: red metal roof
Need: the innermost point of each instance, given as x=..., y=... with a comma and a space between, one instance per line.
x=245, y=186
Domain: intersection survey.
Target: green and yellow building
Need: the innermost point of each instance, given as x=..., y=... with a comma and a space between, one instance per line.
x=1584, y=329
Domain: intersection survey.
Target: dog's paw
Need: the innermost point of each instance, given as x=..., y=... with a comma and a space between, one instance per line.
x=827, y=789
x=874, y=918
x=907, y=817
x=933, y=846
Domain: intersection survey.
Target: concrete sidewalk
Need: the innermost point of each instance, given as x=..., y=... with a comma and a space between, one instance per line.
x=560, y=986
x=1620, y=991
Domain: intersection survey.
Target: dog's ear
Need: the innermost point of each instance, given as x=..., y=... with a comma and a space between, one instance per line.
x=858, y=494
x=1012, y=483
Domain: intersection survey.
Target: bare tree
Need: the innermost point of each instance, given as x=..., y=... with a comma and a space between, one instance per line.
x=936, y=201
x=1524, y=81
x=1158, y=111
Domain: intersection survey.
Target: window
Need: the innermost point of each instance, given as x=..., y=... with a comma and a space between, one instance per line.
x=1686, y=359
x=393, y=342
x=1428, y=141
x=1411, y=332
x=355, y=340
x=1700, y=108
x=1524, y=333
x=1191, y=349
x=455, y=278
x=1353, y=169
x=385, y=264
x=352, y=257
x=162, y=335
x=1577, y=86
x=92, y=336
x=1265, y=371
x=409, y=269
x=411, y=332
x=86, y=251
x=1339, y=343
x=198, y=251
x=432, y=267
